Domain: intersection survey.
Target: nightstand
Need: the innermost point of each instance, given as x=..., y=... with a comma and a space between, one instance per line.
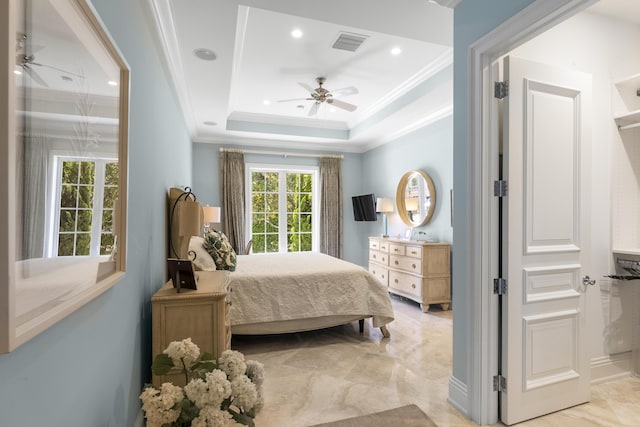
x=202, y=315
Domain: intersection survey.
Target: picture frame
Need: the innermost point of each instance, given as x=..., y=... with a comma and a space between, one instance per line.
x=182, y=274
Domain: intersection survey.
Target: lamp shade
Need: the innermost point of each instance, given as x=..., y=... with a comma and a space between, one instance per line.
x=411, y=203
x=384, y=205
x=211, y=214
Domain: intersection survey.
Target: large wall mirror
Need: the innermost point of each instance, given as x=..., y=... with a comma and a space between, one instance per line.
x=416, y=198
x=68, y=94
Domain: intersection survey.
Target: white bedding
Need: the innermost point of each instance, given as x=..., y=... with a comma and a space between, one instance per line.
x=308, y=287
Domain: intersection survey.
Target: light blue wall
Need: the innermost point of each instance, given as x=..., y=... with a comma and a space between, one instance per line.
x=428, y=149
x=88, y=369
x=206, y=184
x=471, y=20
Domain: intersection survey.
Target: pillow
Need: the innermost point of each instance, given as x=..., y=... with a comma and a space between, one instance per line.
x=202, y=260
x=218, y=246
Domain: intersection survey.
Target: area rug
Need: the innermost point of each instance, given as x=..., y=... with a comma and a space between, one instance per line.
x=405, y=416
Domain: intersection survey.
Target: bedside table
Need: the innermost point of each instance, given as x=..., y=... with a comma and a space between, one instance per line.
x=202, y=315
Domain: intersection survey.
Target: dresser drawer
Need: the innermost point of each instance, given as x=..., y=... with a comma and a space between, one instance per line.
x=384, y=246
x=396, y=249
x=374, y=244
x=414, y=251
x=405, y=284
x=413, y=265
x=380, y=272
x=379, y=257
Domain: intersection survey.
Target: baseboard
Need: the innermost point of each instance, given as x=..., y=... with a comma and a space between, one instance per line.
x=612, y=367
x=139, y=419
x=458, y=396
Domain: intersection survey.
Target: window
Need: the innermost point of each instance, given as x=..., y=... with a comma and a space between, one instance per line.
x=282, y=210
x=85, y=196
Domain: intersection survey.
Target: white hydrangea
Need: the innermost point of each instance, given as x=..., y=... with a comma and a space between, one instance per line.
x=184, y=350
x=245, y=394
x=210, y=392
x=161, y=406
x=255, y=372
x=212, y=417
x=232, y=362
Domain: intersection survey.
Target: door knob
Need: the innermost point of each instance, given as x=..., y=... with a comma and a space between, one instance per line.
x=586, y=280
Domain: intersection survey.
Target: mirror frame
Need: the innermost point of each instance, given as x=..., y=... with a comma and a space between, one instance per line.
x=12, y=335
x=400, y=199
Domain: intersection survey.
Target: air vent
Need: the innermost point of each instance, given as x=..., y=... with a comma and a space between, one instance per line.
x=349, y=41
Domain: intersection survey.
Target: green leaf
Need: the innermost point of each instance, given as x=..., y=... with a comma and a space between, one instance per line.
x=161, y=364
x=207, y=356
x=242, y=418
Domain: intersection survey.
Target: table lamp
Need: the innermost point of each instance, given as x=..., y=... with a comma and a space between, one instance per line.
x=211, y=216
x=384, y=205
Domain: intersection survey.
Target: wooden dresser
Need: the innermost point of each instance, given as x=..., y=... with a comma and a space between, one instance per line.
x=416, y=270
x=202, y=315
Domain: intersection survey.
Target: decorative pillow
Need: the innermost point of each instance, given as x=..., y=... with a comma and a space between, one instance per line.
x=218, y=246
x=202, y=260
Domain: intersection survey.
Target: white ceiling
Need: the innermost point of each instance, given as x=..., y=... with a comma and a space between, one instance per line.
x=258, y=60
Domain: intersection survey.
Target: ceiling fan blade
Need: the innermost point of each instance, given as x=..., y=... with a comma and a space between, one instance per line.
x=295, y=99
x=314, y=109
x=35, y=76
x=307, y=87
x=345, y=91
x=342, y=104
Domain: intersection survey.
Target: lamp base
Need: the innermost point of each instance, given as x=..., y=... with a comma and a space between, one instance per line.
x=384, y=235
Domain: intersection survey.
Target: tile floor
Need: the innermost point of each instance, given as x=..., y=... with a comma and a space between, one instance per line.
x=336, y=373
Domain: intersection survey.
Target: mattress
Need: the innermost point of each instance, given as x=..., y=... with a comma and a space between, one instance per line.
x=276, y=293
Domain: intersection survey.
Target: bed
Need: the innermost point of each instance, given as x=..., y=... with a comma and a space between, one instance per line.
x=294, y=292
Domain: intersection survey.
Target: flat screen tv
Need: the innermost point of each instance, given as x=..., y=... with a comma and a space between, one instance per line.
x=364, y=207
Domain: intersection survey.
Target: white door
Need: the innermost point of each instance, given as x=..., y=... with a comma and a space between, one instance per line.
x=547, y=155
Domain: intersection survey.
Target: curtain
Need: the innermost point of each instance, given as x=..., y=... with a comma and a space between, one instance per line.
x=232, y=170
x=34, y=195
x=331, y=206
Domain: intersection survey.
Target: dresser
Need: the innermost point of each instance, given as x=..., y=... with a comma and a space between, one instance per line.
x=416, y=270
x=202, y=315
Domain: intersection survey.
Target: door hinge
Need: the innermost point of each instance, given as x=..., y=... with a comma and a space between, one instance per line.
x=500, y=90
x=499, y=383
x=500, y=286
x=500, y=188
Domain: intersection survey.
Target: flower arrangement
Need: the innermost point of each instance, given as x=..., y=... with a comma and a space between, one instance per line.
x=223, y=392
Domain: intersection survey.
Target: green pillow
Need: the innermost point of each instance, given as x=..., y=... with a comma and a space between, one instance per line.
x=218, y=246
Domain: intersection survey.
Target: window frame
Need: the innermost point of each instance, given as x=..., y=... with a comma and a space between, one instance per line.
x=52, y=225
x=283, y=170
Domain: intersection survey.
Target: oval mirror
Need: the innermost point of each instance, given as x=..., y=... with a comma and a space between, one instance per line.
x=416, y=198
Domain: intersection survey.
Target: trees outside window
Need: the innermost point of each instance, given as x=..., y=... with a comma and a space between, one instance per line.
x=85, y=197
x=282, y=203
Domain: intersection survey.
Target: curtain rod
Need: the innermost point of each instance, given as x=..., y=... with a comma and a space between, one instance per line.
x=280, y=153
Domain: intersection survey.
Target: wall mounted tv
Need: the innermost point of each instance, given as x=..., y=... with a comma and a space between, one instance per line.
x=364, y=207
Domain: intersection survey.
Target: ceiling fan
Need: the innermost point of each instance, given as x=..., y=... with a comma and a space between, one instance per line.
x=321, y=95
x=26, y=62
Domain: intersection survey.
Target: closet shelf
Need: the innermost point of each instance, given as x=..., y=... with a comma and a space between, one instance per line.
x=631, y=82
x=626, y=251
x=628, y=120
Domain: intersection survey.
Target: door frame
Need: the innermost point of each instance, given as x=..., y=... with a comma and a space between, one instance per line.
x=482, y=128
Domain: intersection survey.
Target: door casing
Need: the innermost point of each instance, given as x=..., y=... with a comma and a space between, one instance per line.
x=482, y=322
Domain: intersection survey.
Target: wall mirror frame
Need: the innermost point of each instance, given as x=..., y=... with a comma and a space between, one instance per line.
x=44, y=45
x=416, y=198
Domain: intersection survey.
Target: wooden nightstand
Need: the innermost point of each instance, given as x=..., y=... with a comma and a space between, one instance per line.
x=202, y=315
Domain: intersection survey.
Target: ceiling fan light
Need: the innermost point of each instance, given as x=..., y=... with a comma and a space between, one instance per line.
x=17, y=72
x=297, y=33
x=396, y=51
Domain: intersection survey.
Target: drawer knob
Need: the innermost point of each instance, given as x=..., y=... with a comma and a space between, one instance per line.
x=413, y=265
x=374, y=257
x=414, y=253
x=396, y=280
x=396, y=262
x=382, y=276
x=413, y=285
x=373, y=271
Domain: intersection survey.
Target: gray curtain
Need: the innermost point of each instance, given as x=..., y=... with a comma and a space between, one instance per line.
x=35, y=170
x=232, y=170
x=331, y=206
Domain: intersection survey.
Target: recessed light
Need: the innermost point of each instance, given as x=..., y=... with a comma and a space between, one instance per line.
x=266, y=102
x=205, y=54
x=396, y=51
x=209, y=123
x=112, y=83
x=299, y=106
x=297, y=33
x=66, y=78
x=17, y=72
